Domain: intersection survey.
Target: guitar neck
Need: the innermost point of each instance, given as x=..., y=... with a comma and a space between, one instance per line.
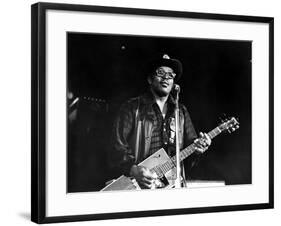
x=191, y=148
x=167, y=166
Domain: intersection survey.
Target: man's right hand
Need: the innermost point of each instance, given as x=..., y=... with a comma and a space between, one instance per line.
x=144, y=176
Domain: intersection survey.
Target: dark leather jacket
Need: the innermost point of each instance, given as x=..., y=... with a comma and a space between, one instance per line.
x=133, y=129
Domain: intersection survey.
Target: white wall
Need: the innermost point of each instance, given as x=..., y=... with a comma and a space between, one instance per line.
x=15, y=110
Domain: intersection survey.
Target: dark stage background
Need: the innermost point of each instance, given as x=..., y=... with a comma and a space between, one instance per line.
x=106, y=70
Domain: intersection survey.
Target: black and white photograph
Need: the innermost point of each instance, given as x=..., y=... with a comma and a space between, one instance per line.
x=141, y=113
x=123, y=95
x=123, y=112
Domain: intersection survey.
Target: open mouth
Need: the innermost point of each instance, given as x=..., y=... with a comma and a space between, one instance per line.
x=164, y=84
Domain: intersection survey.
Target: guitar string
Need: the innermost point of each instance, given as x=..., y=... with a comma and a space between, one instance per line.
x=168, y=165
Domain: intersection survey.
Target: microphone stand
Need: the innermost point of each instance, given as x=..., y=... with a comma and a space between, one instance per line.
x=178, y=175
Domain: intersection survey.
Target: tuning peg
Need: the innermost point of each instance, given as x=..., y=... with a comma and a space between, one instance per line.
x=222, y=119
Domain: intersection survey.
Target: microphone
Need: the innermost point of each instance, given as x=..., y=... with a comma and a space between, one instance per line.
x=176, y=87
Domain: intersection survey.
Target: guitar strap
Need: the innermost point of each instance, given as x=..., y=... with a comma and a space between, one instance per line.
x=137, y=129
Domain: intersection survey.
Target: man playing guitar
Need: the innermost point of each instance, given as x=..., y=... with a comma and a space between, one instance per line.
x=146, y=124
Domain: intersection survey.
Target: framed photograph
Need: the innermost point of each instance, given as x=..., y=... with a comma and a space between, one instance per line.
x=139, y=112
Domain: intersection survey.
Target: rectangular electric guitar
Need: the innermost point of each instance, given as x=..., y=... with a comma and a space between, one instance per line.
x=164, y=166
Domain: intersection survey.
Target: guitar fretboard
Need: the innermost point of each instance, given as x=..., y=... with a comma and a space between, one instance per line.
x=160, y=170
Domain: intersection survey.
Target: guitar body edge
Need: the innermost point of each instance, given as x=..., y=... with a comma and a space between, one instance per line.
x=156, y=159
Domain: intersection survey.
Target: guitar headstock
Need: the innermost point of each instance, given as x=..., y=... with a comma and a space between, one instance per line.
x=229, y=125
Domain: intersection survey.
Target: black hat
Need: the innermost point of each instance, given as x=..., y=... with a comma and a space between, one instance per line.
x=168, y=62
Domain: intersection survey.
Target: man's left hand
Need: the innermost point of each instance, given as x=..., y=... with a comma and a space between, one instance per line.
x=202, y=143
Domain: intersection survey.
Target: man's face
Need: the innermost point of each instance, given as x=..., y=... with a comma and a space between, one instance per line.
x=162, y=81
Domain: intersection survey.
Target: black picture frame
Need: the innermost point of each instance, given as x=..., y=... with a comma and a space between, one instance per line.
x=38, y=110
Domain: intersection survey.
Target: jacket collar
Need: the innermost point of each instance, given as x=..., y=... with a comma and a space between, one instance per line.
x=149, y=99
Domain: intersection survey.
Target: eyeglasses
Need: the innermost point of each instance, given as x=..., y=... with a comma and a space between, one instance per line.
x=165, y=75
